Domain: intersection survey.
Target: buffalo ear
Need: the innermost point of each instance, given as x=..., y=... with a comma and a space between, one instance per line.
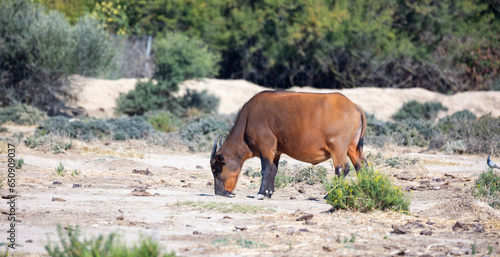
x=220, y=158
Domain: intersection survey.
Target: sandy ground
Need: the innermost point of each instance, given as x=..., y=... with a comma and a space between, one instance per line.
x=179, y=209
x=105, y=203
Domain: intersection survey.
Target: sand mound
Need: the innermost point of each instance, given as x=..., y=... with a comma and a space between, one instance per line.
x=97, y=96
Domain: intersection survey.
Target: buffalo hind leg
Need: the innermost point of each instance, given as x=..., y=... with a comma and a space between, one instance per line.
x=269, y=171
x=355, y=153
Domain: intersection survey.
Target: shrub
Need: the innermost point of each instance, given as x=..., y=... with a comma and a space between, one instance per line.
x=461, y=133
x=203, y=101
x=39, y=49
x=178, y=58
x=72, y=245
x=164, y=121
x=200, y=133
x=297, y=174
x=367, y=191
x=487, y=187
x=416, y=110
x=21, y=114
x=91, y=128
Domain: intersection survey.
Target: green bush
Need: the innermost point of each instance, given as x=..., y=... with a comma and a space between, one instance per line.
x=461, y=133
x=72, y=246
x=39, y=50
x=416, y=110
x=177, y=58
x=200, y=133
x=203, y=101
x=91, y=128
x=164, y=121
x=368, y=190
x=21, y=114
x=487, y=187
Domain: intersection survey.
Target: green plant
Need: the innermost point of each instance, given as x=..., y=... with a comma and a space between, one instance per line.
x=60, y=169
x=203, y=101
x=19, y=163
x=369, y=190
x=91, y=128
x=72, y=246
x=21, y=114
x=178, y=58
x=473, y=248
x=40, y=49
x=487, y=187
x=416, y=110
x=199, y=134
x=241, y=242
x=164, y=121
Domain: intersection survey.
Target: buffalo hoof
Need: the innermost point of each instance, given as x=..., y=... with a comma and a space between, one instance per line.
x=259, y=197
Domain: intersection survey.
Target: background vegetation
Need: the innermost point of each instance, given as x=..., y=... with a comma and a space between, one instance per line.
x=446, y=46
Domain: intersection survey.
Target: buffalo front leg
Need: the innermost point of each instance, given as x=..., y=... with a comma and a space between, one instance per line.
x=269, y=171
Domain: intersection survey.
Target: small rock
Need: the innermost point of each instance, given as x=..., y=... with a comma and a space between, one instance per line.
x=293, y=197
x=310, y=222
x=199, y=167
x=302, y=191
x=397, y=229
x=29, y=241
x=479, y=228
x=240, y=228
x=227, y=217
x=120, y=218
x=327, y=249
x=196, y=232
x=304, y=230
x=56, y=183
x=426, y=233
x=210, y=184
x=305, y=217
x=143, y=172
x=290, y=231
x=183, y=180
x=187, y=185
x=77, y=185
x=56, y=199
x=460, y=226
x=430, y=223
x=425, y=182
x=406, y=176
x=140, y=191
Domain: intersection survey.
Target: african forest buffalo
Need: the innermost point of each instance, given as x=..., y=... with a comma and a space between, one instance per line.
x=308, y=127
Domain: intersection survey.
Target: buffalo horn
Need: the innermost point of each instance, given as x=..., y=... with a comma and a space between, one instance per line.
x=214, y=150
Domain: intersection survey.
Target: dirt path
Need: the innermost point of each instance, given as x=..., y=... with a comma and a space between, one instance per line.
x=181, y=212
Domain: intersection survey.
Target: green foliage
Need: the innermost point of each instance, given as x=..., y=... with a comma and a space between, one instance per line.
x=463, y=134
x=60, y=169
x=113, y=16
x=164, y=121
x=178, y=58
x=369, y=190
x=200, y=133
x=416, y=110
x=72, y=9
x=39, y=50
x=19, y=163
x=21, y=114
x=91, y=128
x=240, y=242
x=202, y=101
x=487, y=187
x=72, y=246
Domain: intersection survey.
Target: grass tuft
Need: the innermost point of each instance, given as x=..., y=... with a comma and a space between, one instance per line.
x=225, y=207
x=487, y=188
x=72, y=246
x=368, y=190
